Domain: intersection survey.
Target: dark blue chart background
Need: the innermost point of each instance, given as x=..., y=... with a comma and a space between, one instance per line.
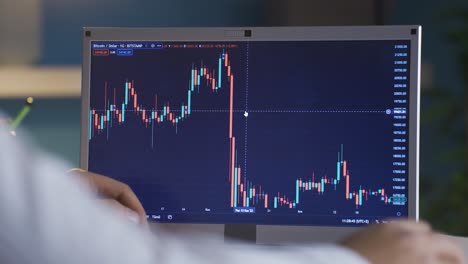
x=303, y=99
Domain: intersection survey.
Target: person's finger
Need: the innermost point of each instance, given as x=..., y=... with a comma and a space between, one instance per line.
x=113, y=189
x=124, y=195
x=128, y=198
x=446, y=250
x=117, y=206
x=123, y=210
x=409, y=226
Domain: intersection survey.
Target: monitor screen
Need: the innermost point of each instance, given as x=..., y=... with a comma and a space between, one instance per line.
x=261, y=132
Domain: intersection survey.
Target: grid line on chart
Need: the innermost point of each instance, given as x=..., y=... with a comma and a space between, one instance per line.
x=267, y=111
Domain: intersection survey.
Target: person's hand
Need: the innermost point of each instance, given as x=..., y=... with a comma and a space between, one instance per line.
x=116, y=193
x=404, y=242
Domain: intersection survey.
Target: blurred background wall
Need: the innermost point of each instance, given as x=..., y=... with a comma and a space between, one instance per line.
x=42, y=38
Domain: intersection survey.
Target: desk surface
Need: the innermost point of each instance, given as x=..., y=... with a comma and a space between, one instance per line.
x=218, y=233
x=463, y=241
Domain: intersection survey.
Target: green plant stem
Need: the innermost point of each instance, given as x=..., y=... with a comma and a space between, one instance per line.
x=21, y=115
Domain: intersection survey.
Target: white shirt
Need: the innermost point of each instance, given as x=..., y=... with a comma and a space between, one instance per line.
x=49, y=217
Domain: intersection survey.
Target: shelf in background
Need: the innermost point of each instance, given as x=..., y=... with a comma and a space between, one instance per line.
x=40, y=81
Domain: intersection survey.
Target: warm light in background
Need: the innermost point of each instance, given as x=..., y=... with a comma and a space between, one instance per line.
x=42, y=81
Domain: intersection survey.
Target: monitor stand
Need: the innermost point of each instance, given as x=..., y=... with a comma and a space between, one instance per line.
x=240, y=232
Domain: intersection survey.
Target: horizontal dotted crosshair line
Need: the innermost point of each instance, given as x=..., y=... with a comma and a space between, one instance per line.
x=287, y=111
x=292, y=111
x=270, y=111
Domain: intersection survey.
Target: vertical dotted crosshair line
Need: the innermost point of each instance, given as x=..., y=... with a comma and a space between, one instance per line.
x=247, y=79
x=246, y=106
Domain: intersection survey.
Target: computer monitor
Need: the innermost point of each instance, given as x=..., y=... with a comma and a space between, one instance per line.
x=309, y=126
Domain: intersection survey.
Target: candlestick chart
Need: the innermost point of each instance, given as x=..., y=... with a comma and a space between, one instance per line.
x=229, y=133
